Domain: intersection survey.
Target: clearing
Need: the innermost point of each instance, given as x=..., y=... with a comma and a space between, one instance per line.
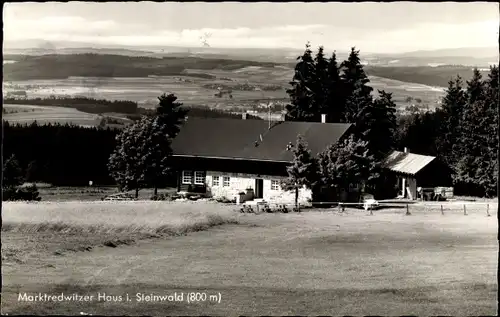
x=314, y=263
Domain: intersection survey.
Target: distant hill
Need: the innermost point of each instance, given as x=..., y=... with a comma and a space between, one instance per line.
x=468, y=56
x=100, y=65
x=477, y=52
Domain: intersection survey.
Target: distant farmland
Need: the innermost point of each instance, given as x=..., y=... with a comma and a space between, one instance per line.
x=27, y=114
x=198, y=87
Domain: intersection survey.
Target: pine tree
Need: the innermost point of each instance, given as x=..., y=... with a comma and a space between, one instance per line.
x=302, y=92
x=303, y=170
x=477, y=163
x=335, y=103
x=377, y=125
x=320, y=89
x=33, y=172
x=12, y=175
x=475, y=87
x=171, y=114
x=452, y=108
x=357, y=92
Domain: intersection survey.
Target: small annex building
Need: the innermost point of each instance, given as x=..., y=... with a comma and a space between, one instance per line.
x=415, y=171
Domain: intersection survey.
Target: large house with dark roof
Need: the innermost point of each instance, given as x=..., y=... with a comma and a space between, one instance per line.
x=228, y=157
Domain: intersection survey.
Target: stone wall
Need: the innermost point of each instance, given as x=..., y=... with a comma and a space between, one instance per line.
x=239, y=182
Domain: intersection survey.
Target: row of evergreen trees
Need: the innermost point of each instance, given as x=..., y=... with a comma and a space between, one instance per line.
x=341, y=91
x=463, y=133
x=321, y=85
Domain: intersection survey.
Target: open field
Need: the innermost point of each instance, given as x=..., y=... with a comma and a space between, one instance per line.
x=26, y=114
x=401, y=90
x=315, y=262
x=192, y=90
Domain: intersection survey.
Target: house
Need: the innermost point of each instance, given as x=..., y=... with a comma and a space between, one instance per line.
x=415, y=170
x=225, y=157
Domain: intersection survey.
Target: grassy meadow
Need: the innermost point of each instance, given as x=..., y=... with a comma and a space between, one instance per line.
x=317, y=262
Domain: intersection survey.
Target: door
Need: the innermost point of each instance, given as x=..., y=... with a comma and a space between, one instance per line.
x=259, y=188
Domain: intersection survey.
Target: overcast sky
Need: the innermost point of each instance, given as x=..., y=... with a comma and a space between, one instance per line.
x=371, y=27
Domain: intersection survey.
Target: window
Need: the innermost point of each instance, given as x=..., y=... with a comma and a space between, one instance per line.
x=199, y=178
x=226, y=181
x=275, y=185
x=187, y=177
x=216, y=181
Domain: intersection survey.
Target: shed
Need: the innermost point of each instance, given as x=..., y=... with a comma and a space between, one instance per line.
x=417, y=170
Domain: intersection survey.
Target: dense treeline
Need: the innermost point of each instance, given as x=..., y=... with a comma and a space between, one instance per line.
x=425, y=75
x=341, y=91
x=62, y=155
x=100, y=65
x=69, y=155
x=463, y=132
x=84, y=104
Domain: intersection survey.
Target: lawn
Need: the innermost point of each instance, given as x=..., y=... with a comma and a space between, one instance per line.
x=315, y=263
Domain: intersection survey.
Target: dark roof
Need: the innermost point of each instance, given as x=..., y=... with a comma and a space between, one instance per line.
x=406, y=163
x=235, y=139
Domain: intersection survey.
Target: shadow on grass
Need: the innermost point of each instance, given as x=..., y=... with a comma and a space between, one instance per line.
x=255, y=300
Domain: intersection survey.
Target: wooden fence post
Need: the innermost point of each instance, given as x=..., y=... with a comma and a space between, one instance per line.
x=488, y=210
x=465, y=211
x=408, y=209
x=442, y=212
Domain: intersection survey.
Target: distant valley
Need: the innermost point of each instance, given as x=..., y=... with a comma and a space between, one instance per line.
x=233, y=80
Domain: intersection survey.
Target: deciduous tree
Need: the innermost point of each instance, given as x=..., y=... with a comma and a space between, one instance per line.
x=346, y=163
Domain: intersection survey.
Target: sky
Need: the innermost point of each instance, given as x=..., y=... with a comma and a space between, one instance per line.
x=391, y=27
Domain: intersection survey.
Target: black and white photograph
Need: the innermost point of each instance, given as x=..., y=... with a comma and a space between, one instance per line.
x=250, y=158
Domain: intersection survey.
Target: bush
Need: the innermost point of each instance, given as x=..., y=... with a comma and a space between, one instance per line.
x=161, y=197
x=29, y=193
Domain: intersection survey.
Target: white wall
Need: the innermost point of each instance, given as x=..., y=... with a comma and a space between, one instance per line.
x=239, y=182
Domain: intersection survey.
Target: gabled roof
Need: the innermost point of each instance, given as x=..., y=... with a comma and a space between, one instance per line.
x=406, y=163
x=236, y=139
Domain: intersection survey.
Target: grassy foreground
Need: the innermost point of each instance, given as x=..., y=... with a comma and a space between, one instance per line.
x=312, y=263
x=85, y=225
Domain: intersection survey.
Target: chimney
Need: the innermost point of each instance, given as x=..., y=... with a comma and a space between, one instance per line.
x=323, y=118
x=244, y=116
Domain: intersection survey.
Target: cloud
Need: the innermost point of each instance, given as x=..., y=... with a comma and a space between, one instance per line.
x=299, y=28
x=107, y=31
